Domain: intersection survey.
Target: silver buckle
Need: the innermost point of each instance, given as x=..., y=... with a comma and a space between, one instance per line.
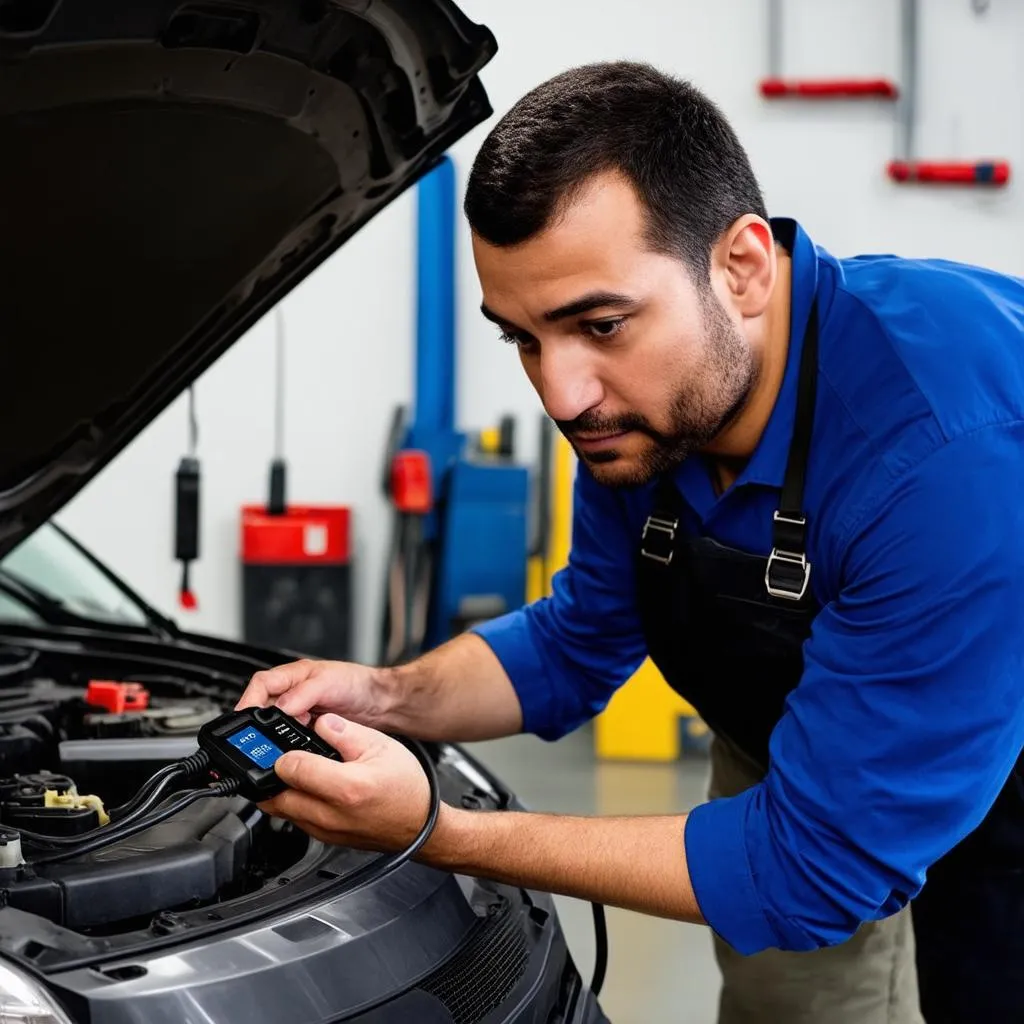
x=778, y=517
x=666, y=526
x=789, y=558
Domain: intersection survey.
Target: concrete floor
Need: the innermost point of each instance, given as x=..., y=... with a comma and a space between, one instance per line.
x=659, y=972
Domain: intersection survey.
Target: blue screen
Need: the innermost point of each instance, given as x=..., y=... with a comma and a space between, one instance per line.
x=256, y=747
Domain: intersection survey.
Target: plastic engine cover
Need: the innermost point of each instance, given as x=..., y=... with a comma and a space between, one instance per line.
x=193, y=856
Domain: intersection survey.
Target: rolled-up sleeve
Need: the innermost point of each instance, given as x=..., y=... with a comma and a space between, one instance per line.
x=907, y=721
x=568, y=653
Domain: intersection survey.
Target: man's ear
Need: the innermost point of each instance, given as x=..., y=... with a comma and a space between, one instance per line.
x=743, y=261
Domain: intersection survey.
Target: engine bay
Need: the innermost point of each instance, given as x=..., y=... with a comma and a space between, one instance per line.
x=85, y=721
x=70, y=753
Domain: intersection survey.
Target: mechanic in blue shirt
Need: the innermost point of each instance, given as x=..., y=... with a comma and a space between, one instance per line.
x=801, y=491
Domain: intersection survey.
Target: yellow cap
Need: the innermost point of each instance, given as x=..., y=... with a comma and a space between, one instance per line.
x=490, y=440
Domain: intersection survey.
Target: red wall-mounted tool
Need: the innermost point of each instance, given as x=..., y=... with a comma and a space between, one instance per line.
x=777, y=86
x=296, y=572
x=828, y=89
x=296, y=579
x=186, y=509
x=930, y=172
x=906, y=168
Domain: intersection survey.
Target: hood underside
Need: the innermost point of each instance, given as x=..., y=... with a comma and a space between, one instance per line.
x=170, y=171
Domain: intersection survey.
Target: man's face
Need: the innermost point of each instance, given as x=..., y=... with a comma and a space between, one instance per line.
x=636, y=364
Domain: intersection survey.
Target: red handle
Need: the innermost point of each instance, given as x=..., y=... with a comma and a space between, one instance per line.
x=839, y=88
x=978, y=172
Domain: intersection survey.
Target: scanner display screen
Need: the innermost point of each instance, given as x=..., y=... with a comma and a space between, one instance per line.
x=256, y=747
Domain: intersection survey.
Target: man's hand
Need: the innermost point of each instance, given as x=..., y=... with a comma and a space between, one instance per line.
x=306, y=688
x=377, y=799
x=456, y=692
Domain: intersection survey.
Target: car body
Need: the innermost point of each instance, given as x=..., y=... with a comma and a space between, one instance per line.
x=170, y=172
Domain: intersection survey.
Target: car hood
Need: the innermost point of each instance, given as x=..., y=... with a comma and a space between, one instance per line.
x=169, y=172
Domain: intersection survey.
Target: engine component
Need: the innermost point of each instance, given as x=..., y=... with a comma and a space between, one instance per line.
x=172, y=719
x=10, y=849
x=48, y=804
x=114, y=767
x=117, y=697
x=21, y=747
x=76, y=802
x=190, y=858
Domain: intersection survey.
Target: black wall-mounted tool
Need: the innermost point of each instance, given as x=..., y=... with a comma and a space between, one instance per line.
x=186, y=508
x=278, y=497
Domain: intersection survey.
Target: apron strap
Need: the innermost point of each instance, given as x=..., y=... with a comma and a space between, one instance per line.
x=658, y=540
x=788, y=571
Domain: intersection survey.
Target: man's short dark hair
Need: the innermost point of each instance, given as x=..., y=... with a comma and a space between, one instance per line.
x=666, y=137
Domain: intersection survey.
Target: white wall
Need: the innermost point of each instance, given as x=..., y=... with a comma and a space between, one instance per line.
x=351, y=325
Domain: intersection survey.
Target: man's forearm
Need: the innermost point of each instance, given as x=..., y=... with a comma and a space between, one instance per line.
x=457, y=692
x=635, y=863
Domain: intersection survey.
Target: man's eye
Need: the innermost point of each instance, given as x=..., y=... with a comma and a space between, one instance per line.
x=515, y=338
x=605, y=328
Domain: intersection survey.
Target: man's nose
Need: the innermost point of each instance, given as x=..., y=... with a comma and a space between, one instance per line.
x=569, y=384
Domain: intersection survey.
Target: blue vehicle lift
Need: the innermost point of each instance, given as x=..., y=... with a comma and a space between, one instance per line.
x=462, y=505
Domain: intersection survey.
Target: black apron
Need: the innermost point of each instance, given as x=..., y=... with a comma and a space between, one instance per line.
x=726, y=630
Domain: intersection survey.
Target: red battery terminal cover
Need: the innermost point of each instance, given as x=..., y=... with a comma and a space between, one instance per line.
x=117, y=697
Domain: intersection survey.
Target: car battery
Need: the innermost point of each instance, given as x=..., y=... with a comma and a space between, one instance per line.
x=296, y=579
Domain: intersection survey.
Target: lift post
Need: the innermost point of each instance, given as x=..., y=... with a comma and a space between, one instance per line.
x=461, y=555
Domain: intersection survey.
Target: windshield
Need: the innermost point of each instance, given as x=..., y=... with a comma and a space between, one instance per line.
x=47, y=578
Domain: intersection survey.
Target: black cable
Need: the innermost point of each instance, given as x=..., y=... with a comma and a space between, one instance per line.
x=114, y=828
x=156, y=780
x=600, y=924
x=394, y=860
x=279, y=383
x=193, y=423
x=382, y=866
x=145, y=799
x=110, y=836
x=377, y=869
x=15, y=668
x=144, y=803
x=600, y=949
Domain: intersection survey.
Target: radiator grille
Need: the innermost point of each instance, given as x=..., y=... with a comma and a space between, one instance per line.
x=482, y=974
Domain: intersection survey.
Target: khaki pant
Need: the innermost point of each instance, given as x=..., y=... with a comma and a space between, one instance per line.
x=870, y=979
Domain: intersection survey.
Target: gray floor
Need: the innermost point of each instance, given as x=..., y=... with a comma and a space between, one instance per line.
x=659, y=972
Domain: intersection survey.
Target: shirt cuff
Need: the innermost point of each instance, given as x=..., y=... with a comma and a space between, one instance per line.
x=511, y=639
x=720, y=873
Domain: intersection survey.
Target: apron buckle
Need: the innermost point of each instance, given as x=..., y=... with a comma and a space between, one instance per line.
x=787, y=575
x=788, y=570
x=662, y=539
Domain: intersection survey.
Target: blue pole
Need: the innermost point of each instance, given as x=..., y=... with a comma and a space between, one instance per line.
x=435, y=302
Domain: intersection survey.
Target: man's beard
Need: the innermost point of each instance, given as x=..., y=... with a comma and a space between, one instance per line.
x=712, y=397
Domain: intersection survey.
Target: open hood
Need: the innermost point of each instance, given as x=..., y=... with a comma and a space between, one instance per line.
x=170, y=171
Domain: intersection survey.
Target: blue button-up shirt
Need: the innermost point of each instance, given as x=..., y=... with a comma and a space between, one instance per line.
x=910, y=712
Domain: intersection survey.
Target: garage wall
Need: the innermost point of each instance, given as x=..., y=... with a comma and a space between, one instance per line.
x=350, y=326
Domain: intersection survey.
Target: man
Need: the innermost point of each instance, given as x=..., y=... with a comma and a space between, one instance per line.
x=801, y=490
